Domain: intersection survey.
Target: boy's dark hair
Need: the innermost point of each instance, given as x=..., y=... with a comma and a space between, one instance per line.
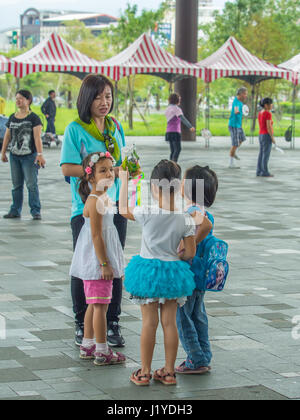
x=169, y=171
x=91, y=87
x=174, y=99
x=51, y=91
x=211, y=184
x=84, y=189
x=26, y=94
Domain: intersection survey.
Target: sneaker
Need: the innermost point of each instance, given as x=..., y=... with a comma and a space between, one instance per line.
x=79, y=334
x=11, y=216
x=102, y=359
x=234, y=167
x=236, y=157
x=114, y=337
x=37, y=217
x=87, y=353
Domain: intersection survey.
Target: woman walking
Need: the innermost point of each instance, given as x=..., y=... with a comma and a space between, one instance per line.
x=175, y=117
x=266, y=137
x=23, y=133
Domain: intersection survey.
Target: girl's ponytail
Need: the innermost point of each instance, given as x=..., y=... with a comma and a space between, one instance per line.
x=84, y=189
x=266, y=101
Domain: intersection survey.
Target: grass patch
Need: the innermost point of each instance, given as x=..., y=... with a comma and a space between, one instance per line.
x=157, y=123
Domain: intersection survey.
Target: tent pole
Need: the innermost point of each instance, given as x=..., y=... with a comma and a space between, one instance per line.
x=294, y=117
x=207, y=112
x=117, y=99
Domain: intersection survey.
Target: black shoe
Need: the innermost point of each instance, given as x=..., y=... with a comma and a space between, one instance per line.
x=37, y=217
x=79, y=334
x=11, y=216
x=114, y=337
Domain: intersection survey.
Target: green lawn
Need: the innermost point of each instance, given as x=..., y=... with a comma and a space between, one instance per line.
x=157, y=123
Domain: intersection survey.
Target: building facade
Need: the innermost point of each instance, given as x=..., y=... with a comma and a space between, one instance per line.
x=36, y=25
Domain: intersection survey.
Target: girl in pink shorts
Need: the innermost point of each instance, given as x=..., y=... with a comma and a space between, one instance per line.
x=98, y=256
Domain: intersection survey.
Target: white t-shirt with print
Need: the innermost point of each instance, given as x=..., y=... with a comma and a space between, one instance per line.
x=162, y=232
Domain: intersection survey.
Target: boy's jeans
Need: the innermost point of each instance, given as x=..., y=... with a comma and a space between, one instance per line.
x=192, y=326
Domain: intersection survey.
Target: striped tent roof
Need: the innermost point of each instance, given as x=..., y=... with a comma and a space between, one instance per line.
x=5, y=64
x=145, y=56
x=233, y=60
x=294, y=65
x=53, y=55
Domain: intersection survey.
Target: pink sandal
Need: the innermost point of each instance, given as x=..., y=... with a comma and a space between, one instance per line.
x=161, y=376
x=102, y=359
x=140, y=380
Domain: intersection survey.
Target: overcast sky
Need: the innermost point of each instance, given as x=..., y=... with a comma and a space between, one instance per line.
x=11, y=9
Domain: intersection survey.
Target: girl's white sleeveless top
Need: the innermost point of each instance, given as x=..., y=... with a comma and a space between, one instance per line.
x=85, y=264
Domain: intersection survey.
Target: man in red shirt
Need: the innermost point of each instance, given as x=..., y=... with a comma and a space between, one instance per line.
x=266, y=137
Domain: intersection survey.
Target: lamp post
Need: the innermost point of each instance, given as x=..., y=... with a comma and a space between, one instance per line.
x=187, y=49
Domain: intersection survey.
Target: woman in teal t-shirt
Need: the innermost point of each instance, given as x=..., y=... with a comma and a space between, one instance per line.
x=93, y=131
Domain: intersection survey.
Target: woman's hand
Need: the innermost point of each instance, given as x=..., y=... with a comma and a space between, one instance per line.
x=40, y=161
x=192, y=130
x=4, y=158
x=107, y=273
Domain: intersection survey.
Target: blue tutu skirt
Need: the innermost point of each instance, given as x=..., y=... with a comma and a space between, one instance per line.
x=145, y=278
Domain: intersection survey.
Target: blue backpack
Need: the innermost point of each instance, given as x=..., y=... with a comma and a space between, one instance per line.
x=210, y=264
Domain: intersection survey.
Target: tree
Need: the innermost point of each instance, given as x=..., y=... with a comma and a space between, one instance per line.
x=264, y=40
x=234, y=18
x=130, y=27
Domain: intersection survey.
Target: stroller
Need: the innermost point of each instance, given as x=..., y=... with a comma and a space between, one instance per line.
x=3, y=121
x=48, y=138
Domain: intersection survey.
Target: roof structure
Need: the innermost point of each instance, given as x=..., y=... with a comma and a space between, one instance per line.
x=5, y=64
x=234, y=61
x=54, y=55
x=294, y=65
x=145, y=56
x=79, y=16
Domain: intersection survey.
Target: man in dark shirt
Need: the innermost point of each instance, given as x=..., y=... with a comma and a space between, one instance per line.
x=49, y=110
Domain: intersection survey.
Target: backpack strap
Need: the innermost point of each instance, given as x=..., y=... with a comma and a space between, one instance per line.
x=117, y=123
x=120, y=129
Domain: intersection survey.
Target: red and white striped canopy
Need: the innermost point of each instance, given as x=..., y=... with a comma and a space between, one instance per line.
x=53, y=55
x=5, y=64
x=233, y=60
x=294, y=65
x=145, y=56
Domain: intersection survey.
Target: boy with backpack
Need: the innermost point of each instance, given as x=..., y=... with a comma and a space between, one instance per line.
x=209, y=266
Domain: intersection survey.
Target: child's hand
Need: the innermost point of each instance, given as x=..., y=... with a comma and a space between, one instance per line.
x=123, y=174
x=137, y=173
x=107, y=273
x=4, y=158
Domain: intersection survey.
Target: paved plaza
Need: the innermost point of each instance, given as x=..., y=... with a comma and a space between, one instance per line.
x=254, y=340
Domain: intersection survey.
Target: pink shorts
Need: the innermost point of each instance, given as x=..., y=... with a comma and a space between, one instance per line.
x=98, y=291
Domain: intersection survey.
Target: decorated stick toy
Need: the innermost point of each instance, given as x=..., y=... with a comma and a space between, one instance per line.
x=131, y=161
x=132, y=164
